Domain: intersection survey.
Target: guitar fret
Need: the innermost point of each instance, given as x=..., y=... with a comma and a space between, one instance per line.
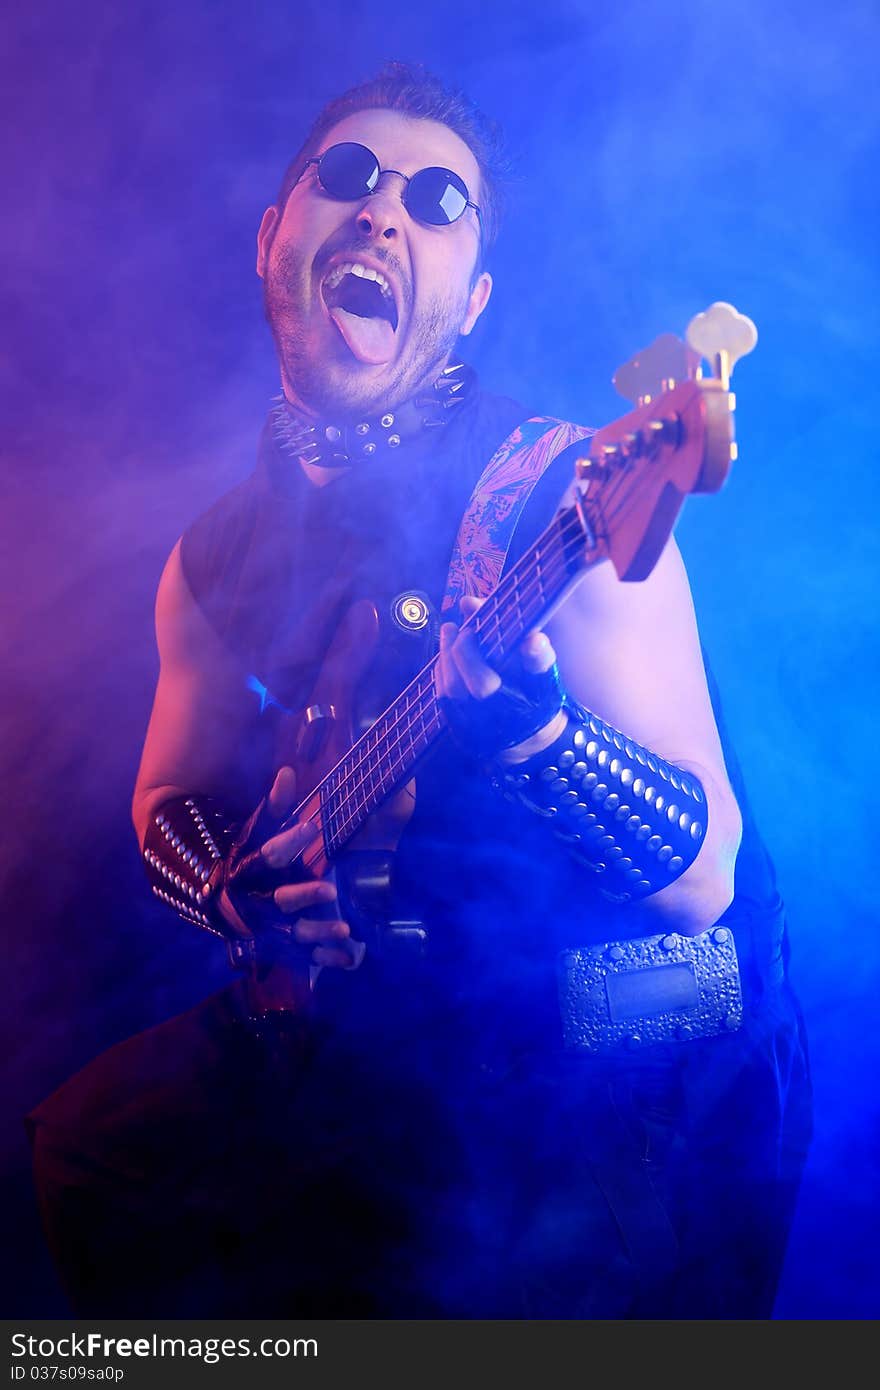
x=385, y=755
x=607, y=519
x=329, y=816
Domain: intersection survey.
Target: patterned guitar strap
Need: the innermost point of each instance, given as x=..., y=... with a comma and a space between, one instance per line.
x=497, y=503
x=481, y=548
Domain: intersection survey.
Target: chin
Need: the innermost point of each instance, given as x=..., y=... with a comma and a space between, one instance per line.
x=349, y=389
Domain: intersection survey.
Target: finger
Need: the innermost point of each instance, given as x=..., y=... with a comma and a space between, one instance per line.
x=536, y=653
x=461, y=671
x=295, y=897
x=477, y=677
x=447, y=681
x=281, y=850
x=314, y=932
x=282, y=797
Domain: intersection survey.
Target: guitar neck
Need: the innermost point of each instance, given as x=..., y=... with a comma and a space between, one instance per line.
x=385, y=757
x=629, y=489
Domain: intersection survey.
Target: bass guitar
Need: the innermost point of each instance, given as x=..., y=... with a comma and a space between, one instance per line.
x=630, y=481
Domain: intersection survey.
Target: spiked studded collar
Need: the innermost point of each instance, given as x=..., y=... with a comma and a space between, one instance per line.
x=334, y=445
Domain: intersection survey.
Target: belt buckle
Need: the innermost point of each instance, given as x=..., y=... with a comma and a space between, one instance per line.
x=625, y=995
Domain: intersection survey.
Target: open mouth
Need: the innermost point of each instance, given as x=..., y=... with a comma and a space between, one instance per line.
x=360, y=290
x=361, y=303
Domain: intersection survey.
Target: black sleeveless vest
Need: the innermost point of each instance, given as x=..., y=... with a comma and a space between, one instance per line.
x=276, y=562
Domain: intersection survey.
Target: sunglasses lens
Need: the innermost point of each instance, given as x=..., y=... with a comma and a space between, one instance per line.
x=348, y=171
x=437, y=196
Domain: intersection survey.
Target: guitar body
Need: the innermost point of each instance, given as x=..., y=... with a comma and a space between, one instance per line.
x=313, y=742
x=630, y=482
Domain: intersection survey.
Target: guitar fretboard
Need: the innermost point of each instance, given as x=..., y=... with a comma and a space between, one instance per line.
x=385, y=756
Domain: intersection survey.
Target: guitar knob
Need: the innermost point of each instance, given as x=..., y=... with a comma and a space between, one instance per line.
x=411, y=612
x=722, y=335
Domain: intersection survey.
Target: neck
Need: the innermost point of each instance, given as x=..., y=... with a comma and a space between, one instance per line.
x=344, y=413
x=336, y=444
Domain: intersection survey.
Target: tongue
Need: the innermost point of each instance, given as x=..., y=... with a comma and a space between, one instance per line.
x=370, y=339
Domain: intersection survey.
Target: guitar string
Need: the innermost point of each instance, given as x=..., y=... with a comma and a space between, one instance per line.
x=431, y=720
x=399, y=754
x=510, y=590
x=532, y=580
x=554, y=567
x=519, y=594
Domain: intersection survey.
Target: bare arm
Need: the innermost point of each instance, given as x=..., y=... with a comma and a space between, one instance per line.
x=201, y=710
x=631, y=653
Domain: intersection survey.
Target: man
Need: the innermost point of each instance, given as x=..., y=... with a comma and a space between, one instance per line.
x=397, y=1110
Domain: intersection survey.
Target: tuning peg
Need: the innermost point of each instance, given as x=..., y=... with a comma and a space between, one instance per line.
x=656, y=369
x=722, y=335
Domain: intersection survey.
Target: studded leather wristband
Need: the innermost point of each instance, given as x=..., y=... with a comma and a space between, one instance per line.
x=184, y=849
x=511, y=715
x=622, y=811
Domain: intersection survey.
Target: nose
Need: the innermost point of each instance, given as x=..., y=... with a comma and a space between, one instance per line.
x=381, y=210
x=378, y=217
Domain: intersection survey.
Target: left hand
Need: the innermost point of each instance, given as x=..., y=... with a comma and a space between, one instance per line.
x=461, y=674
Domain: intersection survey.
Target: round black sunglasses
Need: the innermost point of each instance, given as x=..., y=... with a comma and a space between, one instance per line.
x=349, y=171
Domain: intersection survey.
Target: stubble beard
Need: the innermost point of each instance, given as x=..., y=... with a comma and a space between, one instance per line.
x=335, y=386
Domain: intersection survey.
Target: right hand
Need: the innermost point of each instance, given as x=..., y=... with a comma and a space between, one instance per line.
x=253, y=897
x=488, y=716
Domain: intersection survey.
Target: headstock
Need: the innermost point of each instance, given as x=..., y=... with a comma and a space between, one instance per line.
x=678, y=440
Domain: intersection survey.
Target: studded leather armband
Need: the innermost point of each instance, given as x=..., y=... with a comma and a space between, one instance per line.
x=623, y=812
x=184, y=849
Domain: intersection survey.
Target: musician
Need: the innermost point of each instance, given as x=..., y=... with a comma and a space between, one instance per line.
x=402, y=1106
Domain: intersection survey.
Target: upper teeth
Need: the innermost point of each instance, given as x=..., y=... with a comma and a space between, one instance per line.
x=366, y=272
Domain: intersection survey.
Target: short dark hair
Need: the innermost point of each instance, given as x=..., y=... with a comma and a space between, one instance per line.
x=413, y=91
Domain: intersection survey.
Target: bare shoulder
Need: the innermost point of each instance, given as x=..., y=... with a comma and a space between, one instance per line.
x=184, y=635
x=201, y=705
x=631, y=652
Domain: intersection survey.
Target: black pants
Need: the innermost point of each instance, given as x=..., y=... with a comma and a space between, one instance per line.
x=194, y=1170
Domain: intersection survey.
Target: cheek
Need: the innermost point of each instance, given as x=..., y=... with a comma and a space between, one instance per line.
x=443, y=280
x=304, y=230
x=285, y=276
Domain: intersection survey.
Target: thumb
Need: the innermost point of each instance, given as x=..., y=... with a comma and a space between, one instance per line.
x=282, y=797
